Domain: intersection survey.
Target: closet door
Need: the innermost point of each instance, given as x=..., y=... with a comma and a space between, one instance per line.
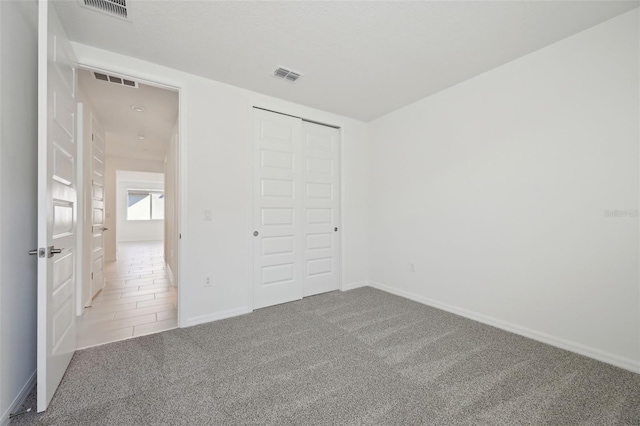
x=277, y=209
x=321, y=165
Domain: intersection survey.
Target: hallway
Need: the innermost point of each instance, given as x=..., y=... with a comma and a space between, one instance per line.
x=137, y=299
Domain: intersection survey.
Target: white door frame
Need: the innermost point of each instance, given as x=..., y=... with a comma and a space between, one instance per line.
x=252, y=239
x=79, y=270
x=162, y=83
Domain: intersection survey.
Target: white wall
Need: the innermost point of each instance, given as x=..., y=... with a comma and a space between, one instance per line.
x=112, y=165
x=137, y=230
x=215, y=146
x=18, y=200
x=496, y=189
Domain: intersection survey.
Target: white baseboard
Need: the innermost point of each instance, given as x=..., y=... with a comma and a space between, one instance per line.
x=19, y=399
x=357, y=284
x=217, y=316
x=609, y=358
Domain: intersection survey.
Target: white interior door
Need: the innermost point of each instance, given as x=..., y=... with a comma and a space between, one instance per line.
x=56, y=203
x=321, y=176
x=277, y=205
x=97, y=207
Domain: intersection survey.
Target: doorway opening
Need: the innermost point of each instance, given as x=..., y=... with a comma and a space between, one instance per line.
x=128, y=205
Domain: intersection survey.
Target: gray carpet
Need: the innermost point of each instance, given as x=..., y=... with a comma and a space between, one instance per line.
x=354, y=358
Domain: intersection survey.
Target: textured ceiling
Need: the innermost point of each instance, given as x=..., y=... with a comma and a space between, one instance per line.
x=360, y=59
x=112, y=104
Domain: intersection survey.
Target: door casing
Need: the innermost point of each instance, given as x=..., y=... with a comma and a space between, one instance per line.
x=152, y=80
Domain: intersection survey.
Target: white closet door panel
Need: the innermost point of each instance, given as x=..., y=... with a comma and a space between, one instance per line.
x=277, y=204
x=321, y=180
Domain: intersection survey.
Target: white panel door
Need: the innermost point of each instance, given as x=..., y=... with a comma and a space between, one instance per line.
x=97, y=207
x=321, y=177
x=277, y=205
x=56, y=203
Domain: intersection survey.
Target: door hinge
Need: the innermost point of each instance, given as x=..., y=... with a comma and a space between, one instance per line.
x=92, y=275
x=92, y=137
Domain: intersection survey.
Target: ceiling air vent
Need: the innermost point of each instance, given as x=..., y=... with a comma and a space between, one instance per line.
x=120, y=81
x=116, y=8
x=287, y=74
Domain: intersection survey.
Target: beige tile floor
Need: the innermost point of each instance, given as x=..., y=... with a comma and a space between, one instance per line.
x=137, y=299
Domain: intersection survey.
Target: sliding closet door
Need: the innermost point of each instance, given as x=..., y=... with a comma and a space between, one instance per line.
x=321, y=163
x=278, y=267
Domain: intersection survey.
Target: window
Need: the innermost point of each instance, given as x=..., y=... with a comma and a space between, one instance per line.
x=145, y=204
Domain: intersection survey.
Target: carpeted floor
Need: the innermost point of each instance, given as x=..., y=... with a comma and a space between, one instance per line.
x=353, y=358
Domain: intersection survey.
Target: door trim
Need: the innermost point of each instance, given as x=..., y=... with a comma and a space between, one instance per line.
x=80, y=199
x=265, y=107
x=91, y=64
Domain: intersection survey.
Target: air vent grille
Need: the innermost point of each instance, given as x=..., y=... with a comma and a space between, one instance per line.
x=287, y=74
x=120, y=81
x=111, y=7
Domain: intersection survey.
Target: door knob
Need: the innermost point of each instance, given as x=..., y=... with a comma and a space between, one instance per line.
x=255, y=233
x=53, y=251
x=40, y=252
x=335, y=229
x=105, y=229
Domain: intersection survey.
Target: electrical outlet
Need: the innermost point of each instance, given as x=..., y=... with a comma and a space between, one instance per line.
x=412, y=267
x=208, y=281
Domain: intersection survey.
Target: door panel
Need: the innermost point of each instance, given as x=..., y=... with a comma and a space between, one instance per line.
x=97, y=207
x=56, y=203
x=321, y=178
x=277, y=204
x=296, y=187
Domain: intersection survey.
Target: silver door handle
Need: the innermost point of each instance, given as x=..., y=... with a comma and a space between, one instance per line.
x=53, y=251
x=40, y=252
x=105, y=229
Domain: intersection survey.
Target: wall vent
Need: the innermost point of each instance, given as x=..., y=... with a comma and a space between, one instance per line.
x=120, y=81
x=287, y=74
x=116, y=8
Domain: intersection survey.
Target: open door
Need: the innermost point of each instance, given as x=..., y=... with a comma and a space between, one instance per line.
x=56, y=203
x=97, y=207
